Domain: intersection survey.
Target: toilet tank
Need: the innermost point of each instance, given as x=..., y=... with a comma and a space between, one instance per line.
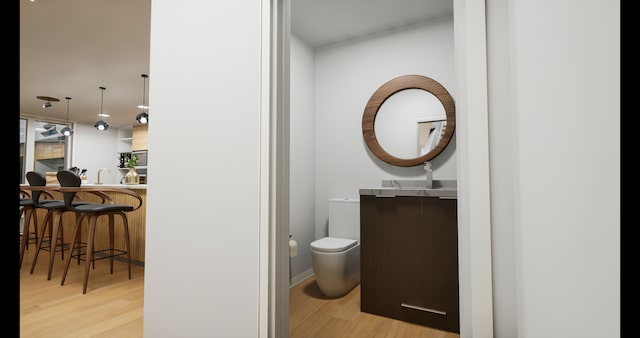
x=344, y=218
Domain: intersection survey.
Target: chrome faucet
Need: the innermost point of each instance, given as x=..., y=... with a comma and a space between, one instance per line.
x=99, y=171
x=427, y=168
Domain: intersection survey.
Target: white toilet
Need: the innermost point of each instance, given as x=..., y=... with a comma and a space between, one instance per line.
x=336, y=259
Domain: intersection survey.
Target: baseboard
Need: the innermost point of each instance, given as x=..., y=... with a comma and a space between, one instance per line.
x=300, y=277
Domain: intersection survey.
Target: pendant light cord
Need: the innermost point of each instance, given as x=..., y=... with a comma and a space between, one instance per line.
x=101, y=102
x=68, y=100
x=144, y=92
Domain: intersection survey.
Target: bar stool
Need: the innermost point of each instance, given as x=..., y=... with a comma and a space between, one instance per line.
x=70, y=186
x=52, y=219
x=28, y=210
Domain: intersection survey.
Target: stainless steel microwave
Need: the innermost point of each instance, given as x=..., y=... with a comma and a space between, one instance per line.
x=143, y=156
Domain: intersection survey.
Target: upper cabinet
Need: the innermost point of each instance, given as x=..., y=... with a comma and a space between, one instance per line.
x=48, y=150
x=139, y=137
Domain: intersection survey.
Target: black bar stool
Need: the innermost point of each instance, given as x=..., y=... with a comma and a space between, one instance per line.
x=28, y=210
x=52, y=220
x=70, y=186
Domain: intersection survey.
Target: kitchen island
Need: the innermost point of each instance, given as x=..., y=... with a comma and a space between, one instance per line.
x=137, y=220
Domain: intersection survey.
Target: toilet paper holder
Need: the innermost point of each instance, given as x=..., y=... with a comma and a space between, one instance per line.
x=293, y=247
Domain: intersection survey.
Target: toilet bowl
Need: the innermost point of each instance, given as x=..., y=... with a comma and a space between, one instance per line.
x=336, y=265
x=336, y=259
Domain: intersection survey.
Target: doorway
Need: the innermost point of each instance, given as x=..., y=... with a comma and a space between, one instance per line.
x=470, y=21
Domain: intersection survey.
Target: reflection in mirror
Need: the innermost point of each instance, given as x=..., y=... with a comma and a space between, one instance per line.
x=409, y=120
x=429, y=134
x=50, y=147
x=410, y=123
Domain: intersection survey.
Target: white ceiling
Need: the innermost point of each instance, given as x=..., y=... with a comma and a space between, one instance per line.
x=323, y=22
x=70, y=48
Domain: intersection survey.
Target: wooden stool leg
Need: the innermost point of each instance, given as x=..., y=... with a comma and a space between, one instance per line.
x=47, y=220
x=111, y=241
x=57, y=220
x=79, y=217
x=28, y=212
x=87, y=265
x=125, y=224
x=76, y=239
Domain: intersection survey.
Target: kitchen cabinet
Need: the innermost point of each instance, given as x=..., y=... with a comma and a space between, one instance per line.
x=133, y=138
x=130, y=140
x=409, y=259
x=139, y=137
x=48, y=150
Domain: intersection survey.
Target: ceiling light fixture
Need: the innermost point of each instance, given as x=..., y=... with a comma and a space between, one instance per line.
x=143, y=117
x=101, y=125
x=67, y=131
x=49, y=129
x=48, y=100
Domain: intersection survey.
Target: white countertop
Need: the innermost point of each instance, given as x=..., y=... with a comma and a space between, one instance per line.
x=391, y=188
x=128, y=186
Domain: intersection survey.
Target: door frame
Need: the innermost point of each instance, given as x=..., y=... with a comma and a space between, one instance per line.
x=474, y=242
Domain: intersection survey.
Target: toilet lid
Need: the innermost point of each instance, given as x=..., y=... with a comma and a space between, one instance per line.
x=331, y=244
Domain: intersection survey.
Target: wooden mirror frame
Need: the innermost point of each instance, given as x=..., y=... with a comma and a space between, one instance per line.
x=387, y=90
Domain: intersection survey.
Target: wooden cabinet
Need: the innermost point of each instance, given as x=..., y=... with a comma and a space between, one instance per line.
x=409, y=259
x=48, y=150
x=139, y=137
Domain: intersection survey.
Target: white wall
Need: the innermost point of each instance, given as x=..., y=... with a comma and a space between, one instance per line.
x=94, y=150
x=555, y=160
x=346, y=77
x=333, y=104
x=544, y=195
x=502, y=180
x=555, y=199
x=302, y=151
x=203, y=209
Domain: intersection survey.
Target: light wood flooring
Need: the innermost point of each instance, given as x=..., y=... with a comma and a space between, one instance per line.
x=113, y=306
x=313, y=315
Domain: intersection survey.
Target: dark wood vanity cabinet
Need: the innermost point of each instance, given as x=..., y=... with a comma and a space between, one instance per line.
x=409, y=259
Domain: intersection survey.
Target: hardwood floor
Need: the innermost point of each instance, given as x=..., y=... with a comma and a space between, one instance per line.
x=113, y=306
x=313, y=315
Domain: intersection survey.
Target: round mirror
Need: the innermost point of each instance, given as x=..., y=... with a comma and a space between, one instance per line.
x=411, y=117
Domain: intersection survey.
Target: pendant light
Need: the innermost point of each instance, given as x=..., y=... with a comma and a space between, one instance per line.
x=67, y=131
x=101, y=125
x=48, y=100
x=143, y=117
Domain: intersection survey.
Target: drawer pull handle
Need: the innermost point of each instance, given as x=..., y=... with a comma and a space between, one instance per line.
x=423, y=309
